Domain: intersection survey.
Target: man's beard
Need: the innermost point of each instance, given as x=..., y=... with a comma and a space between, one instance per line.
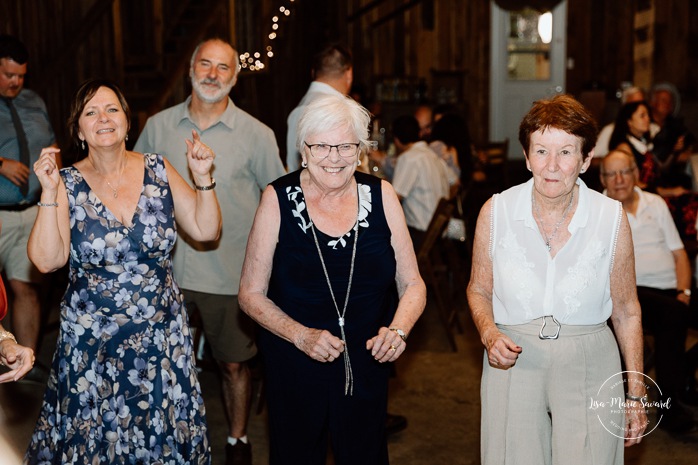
x=209, y=95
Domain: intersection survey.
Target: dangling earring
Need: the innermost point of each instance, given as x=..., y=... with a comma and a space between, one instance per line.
x=304, y=164
x=82, y=144
x=358, y=162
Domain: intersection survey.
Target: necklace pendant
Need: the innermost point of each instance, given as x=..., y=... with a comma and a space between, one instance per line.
x=547, y=244
x=116, y=194
x=341, y=321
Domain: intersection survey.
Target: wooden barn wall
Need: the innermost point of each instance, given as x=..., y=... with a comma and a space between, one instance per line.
x=424, y=40
x=418, y=40
x=599, y=45
x=271, y=94
x=676, y=47
x=47, y=27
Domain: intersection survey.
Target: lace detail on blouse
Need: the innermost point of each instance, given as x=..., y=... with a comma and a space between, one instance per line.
x=521, y=270
x=619, y=218
x=580, y=276
x=299, y=210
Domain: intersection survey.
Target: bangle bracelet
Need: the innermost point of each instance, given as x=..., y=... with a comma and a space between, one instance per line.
x=52, y=204
x=206, y=188
x=636, y=398
x=7, y=335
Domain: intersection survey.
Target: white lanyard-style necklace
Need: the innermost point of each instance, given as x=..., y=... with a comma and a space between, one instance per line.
x=348, y=374
x=536, y=211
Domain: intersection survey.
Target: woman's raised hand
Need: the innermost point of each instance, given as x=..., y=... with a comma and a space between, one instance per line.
x=199, y=156
x=46, y=169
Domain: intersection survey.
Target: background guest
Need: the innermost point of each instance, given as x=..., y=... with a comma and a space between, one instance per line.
x=663, y=274
x=333, y=74
x=629, y=95
x=450, y=139
x=18, y=359
x=674, y=142
x=423, y=115
x=24, y=130
x=421, y=178
x=631, y=134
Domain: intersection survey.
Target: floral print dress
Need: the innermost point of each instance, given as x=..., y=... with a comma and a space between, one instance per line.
x=123, y=386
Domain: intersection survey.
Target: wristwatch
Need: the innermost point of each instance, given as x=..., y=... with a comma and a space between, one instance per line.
x=400, y=333
x=686, y=292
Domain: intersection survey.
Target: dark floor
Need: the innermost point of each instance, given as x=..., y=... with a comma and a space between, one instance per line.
x=436, y=389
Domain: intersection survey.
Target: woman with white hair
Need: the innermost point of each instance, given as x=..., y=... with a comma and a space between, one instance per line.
x=331, y=276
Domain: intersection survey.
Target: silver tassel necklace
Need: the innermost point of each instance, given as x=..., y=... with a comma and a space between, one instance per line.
x=348, y=374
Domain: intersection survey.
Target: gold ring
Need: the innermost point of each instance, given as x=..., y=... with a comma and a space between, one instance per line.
x=327, y=356
x=392, y=347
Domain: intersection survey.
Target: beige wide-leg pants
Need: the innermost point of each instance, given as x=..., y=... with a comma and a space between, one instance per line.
x=538, y=412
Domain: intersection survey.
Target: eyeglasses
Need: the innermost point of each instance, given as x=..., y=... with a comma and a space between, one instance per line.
x=612, y=174
x=322, y=151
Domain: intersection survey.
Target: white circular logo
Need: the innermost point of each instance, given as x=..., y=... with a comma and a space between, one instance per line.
x=611, y=399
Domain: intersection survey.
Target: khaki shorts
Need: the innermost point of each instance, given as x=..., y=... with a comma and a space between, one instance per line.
x=16, y=226
x=228, y=330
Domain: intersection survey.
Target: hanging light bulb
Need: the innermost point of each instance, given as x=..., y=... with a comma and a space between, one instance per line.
x=545, y=27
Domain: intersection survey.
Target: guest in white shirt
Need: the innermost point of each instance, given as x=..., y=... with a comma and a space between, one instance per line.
x=333, y=74
x=663, y=274
x=421, y=178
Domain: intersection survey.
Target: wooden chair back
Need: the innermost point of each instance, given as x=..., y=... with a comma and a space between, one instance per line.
x=494, y=156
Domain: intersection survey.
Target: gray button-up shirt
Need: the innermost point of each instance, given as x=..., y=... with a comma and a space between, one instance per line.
x=247, y=159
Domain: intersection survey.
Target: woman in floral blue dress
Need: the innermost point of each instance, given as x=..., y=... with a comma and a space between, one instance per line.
x=123, y=388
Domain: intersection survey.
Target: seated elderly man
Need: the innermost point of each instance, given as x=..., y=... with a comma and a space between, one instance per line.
x=663, y=279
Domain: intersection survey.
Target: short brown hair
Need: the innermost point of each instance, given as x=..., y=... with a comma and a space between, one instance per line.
x=333, y=60
x=561, y=112
x=84, y=94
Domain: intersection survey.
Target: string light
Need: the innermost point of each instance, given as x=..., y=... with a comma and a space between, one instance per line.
x=252, y=60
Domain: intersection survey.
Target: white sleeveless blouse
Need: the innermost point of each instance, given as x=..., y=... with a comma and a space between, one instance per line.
x=574, y=286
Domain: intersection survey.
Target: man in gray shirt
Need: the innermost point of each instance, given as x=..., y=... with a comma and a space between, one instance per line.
x=247, y=159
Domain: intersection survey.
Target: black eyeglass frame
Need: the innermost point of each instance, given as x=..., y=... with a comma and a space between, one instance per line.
x=356, y=146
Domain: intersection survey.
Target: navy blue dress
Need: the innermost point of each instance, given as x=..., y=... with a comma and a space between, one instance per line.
x=306, y=398
x=123, y=385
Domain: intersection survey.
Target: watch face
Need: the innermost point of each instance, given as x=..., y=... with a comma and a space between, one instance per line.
x=399, y=332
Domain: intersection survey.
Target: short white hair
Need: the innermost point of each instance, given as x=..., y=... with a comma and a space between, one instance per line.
x=331, y=112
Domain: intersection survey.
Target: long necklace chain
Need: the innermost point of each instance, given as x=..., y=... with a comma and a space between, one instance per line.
x=114, y=191
x=348, y=374
x=536, y=211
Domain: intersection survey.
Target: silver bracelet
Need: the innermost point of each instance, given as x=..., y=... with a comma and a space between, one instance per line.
x=52, y=204
x=7, y=335
x=206, y=188
x=636, y=398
